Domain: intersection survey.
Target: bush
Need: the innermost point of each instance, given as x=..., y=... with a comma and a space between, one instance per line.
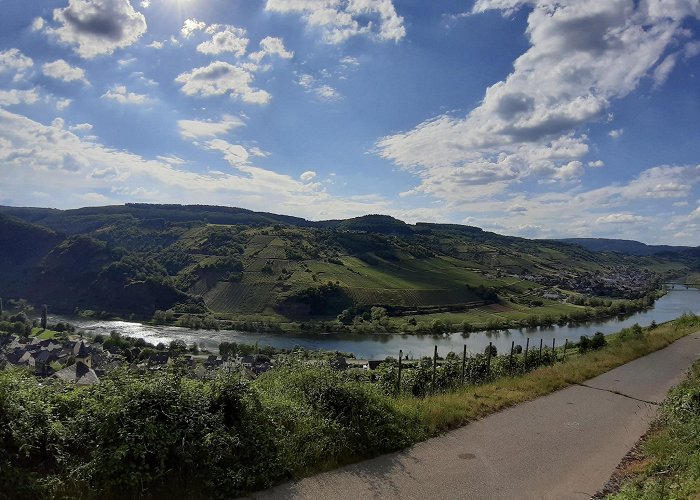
x=326, y=417
x=598, y=341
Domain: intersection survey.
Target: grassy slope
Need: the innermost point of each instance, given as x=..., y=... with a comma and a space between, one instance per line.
x=442, y=412
x=400, y=265
x=671, y=465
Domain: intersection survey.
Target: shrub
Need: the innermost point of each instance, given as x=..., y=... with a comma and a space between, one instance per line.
x=598, y=341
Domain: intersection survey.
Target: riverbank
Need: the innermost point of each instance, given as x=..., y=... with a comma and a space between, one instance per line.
x=379, y=346
x=291, y=422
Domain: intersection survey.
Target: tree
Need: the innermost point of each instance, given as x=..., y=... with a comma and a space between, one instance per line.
x=44, y=313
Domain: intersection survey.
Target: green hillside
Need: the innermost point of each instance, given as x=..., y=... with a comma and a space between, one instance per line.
x=240, y=265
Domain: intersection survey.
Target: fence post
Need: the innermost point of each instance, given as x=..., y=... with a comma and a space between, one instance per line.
x=554, y=354
x=527, y=346
x=566, y=344
x=488, y=360
x=434, y=366
x=539, y=356
x=398, y=382
x=464, y=362
x=510, y=358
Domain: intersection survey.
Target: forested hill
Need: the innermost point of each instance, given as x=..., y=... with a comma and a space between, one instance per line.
x=627, y=246
x=139, y=258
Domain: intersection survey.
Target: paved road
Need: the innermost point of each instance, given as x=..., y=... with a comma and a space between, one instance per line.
x=561, y=446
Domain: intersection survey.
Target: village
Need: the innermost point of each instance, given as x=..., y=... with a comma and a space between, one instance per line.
x=73, y=358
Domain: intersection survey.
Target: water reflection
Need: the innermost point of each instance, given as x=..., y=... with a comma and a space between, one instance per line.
x=378, y=346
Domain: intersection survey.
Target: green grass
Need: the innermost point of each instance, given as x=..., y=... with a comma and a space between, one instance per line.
x=671, y=466
x=447, y=411
x=43, y=334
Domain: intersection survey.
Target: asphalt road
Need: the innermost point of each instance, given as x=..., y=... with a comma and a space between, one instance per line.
x=561, y=446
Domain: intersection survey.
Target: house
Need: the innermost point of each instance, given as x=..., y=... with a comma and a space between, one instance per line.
x=158, y=359
x=78, y=373
x=339, y=363
x=247, y=361
x=213, y=362
x=259, y=368
x=42, y=362
x=372, y=364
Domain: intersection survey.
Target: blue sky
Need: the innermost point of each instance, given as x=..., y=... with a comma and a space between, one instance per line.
x=534, y=118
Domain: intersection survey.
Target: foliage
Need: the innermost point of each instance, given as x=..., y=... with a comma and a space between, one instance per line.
x=673, y=452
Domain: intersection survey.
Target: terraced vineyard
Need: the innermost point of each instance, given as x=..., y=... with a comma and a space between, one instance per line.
x=234, y=263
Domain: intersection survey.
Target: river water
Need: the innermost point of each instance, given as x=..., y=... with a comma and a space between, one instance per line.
x=366, y=346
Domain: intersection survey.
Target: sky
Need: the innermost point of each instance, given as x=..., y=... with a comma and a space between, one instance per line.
x=540, y=118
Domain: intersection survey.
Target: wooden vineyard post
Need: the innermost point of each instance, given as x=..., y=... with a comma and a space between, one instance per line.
x=554, y=354
x=527, y=346
x=398, y=381
x=434, y=366
x=464, y=362
x=488, y=360
x=510, y=358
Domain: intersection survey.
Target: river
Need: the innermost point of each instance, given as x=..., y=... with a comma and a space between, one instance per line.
x=672, y=305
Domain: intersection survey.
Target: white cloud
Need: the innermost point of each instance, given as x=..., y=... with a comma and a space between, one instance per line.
x=582, y=56
x=62, y=104
x=616, y=133
x=156, y=44
x=664, y=69
x=229, y=39
x=339, y=21
x=38, y=24
x=596, y=164
x=13, y=60
x=622, y=219
x=76, y=167
x=98, y=27
x=271, y=46
x=80, y=127
x=61, y=70
x=14, y=96
x=219, y=78
x=120, y=94
x=194, y=129
x=307, y=176
x=321, y=90
x=190, y=26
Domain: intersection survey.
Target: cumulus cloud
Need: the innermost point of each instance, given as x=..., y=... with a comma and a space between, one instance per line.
x=61, y=70
x=596, y=164
x=271, y=46
x=220, y=78
x=97, y=27
x=13, y=60
x=194, y=129
x=190, y=26
x=616, y=133
x=582, y=56
x=14, y=96
x=120, y=94
x=339, y=20
x=225, y=39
